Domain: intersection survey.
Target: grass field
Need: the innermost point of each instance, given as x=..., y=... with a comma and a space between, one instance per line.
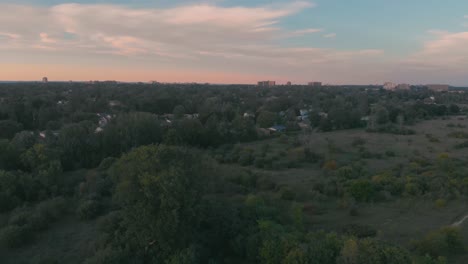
x=401, y=220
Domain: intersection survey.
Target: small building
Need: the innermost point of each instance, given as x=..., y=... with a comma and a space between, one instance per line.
x=249, y=115
x=114, y=103
x=45, y=80
x=438, y=87
x=323, y=115
x=304, y=125
x=104, y=119
x=277, y=128
x=288, y=83
x=315, y=84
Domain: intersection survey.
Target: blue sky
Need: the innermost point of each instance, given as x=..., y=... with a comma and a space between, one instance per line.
x=336, y=41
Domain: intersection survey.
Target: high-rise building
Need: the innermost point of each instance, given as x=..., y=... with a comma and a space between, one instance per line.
x=266, y=83
x=45, y=80
x=389, y=86
x=315, y=84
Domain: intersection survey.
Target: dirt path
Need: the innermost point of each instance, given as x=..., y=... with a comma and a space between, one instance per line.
x=459, y=223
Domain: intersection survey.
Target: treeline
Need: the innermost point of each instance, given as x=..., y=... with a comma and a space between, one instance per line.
x=52, y=106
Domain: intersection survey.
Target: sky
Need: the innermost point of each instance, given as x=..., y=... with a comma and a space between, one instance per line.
x=242, y=41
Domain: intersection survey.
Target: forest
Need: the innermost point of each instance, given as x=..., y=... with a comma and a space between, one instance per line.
x=110, y=172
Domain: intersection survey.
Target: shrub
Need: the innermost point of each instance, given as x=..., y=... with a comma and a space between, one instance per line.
x=89, y=209
x=7, y=202
x=20, y=217
x=246, y=157
x=265, y=183
x=362, y=190
x=52, y=209
x=311, y=156
x=259, y=162
x=287, y=194
x=359, y=231
x=358, y=142
x=14, y=236
x=462, y=145
x=459, y=134
x=106, y=163
x=444, y=242
x=440, y=203
x=330, y=165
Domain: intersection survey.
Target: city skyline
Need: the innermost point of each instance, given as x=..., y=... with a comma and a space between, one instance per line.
x=337, y=42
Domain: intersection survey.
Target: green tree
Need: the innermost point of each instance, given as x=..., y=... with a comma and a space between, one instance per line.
x=362, y=190
x=266, y=119
x=159, y=189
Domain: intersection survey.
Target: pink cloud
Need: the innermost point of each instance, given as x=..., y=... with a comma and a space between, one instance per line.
x=9, y=35
x=45, y=38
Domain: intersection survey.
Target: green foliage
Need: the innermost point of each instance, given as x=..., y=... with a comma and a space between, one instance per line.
x=462, y=145
x=13, y=236
x=88, y=209
x=459, y=134
x=9, y=128
x=161, y=187
x=266, y=119
x=362, y=190
x=369, y=251
x=445, y=242
x=287, y=193
x=359, y=231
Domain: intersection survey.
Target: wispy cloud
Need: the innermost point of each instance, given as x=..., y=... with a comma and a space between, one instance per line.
x=242, y=40
x=331, y=35
x=446, y=51
x=45, y=38
x=303, y=32
x=9, y=35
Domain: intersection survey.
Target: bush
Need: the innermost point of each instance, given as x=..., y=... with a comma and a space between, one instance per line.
x=459, y=134
x=358, y=142
x=7, y=202
x=52, y=209
x=14, y=236
x=447, y=241
x=440, y=203
x=287, y=194
x=462, y=145
x=246, y=157
x=20, y=217
x=359, y=231
x=362, y=190
x=330, y=165
x=106, y=163
x=265, y=183
x=311, y=156
x=89, y=209
x=259, y=162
